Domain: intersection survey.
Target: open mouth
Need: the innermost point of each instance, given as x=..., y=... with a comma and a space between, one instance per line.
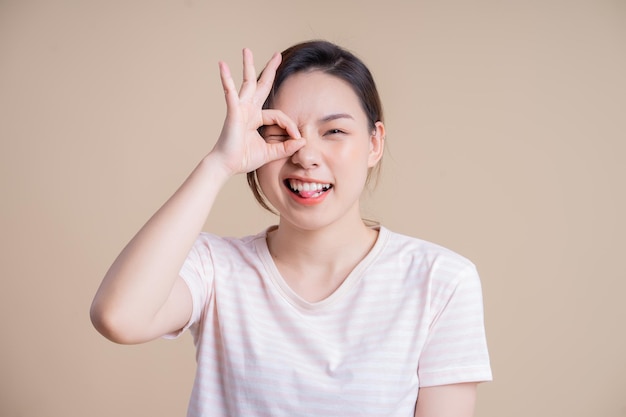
x=307, y=189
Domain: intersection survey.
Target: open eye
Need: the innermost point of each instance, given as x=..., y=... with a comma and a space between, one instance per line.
x=334, y=132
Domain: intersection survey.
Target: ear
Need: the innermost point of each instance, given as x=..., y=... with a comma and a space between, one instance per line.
x=377, y=144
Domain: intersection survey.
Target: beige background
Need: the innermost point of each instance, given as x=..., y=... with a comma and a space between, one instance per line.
x=506, y=132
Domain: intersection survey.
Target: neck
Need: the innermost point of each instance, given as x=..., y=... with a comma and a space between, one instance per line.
x=330, y=245
x=314, y=263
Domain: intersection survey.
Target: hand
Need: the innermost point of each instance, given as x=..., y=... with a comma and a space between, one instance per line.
x=240, y=146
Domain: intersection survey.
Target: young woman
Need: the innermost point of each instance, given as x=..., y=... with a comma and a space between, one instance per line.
x=322, y=314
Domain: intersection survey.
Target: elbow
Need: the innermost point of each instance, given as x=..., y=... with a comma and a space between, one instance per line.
x=113, y=326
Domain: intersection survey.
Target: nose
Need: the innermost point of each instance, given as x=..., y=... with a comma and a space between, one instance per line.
x=309, y=156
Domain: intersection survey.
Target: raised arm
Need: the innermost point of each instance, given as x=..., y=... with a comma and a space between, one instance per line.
x=142, y=296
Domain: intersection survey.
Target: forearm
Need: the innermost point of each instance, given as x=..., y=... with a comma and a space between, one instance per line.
x=140, y=281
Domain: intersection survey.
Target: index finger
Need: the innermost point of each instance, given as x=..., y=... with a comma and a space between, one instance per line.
x=277, y=117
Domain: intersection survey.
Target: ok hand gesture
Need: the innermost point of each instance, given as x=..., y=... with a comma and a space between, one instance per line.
x=240, y=147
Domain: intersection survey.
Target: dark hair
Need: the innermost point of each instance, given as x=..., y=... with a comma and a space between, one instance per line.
x=333, y=60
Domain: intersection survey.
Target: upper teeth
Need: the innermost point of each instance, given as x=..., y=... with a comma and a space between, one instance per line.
x=307, y=186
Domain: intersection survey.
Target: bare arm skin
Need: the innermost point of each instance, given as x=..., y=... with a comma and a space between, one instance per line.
x=142, y=296
x=454, y=400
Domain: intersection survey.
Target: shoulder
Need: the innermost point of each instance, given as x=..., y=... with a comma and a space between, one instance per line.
x=418, y=252
x=211, y=251
x=212, y=242
x=424, y=266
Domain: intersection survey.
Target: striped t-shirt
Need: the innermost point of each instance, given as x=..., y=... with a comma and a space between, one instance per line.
x=409, y=315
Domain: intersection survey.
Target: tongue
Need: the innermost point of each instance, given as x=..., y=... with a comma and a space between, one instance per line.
x=308, y=194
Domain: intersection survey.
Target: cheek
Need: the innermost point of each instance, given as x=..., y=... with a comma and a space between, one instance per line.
x=357, y=155
x=267, y=176
x=348, y=151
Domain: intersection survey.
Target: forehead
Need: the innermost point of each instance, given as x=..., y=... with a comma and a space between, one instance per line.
x=315, y=94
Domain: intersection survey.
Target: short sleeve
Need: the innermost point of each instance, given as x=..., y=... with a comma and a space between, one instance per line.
x=197, y=272
x=456, y=349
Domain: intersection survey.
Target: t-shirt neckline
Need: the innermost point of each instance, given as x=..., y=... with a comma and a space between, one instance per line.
x=350, y=282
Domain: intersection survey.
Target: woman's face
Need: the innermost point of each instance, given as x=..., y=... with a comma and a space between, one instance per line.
x=322, y=182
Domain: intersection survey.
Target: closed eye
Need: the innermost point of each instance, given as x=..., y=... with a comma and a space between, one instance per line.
x=276, y=137
x=274, y=133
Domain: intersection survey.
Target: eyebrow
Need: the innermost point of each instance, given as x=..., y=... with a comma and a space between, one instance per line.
x=335, y=116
